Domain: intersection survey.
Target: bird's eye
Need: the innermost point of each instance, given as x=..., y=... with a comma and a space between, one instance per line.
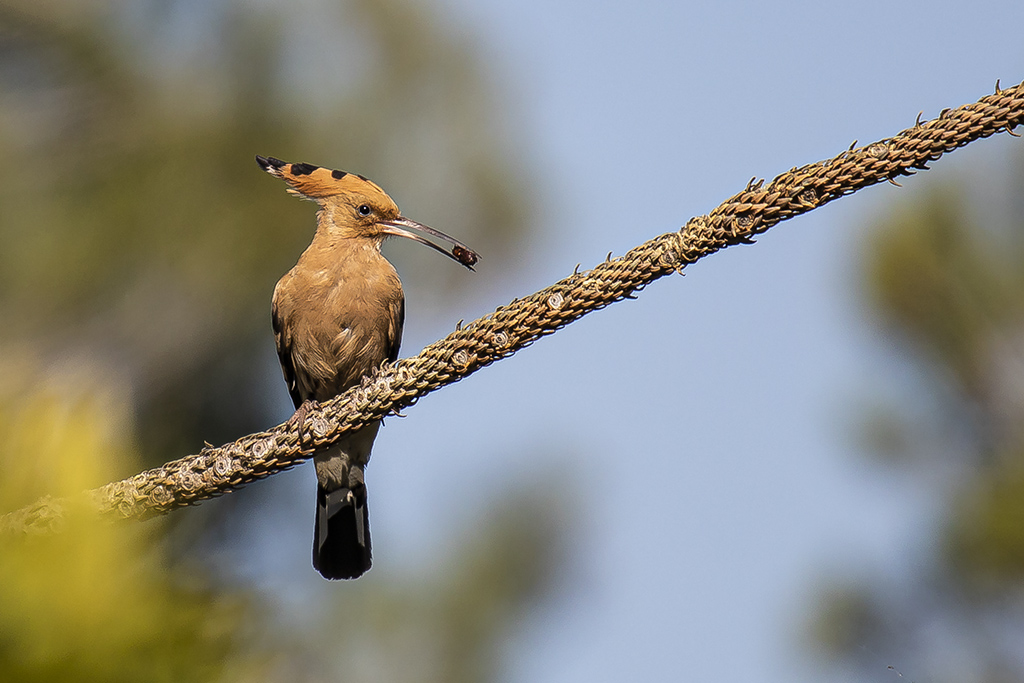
x=364, y=210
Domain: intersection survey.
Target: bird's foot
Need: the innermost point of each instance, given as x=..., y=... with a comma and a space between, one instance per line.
x=298, y=419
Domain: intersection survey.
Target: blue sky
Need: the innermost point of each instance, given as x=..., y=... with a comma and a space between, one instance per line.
x=708, y=426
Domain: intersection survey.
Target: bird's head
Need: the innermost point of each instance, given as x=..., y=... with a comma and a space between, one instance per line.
x=355, y=207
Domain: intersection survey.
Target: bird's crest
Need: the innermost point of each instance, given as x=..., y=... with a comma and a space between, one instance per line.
x=314, y=182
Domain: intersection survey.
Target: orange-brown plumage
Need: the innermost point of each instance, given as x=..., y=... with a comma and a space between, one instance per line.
x=338, y=314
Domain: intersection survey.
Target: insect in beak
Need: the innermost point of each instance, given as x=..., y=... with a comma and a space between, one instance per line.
x=400, y=227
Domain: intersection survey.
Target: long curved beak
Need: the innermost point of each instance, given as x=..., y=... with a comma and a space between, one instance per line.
x=459, y=252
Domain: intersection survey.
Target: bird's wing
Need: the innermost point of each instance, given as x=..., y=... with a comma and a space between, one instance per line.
x=284, y=342
x=395, y=329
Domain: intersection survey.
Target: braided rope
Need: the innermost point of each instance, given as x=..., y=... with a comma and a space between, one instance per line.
x=215, y=471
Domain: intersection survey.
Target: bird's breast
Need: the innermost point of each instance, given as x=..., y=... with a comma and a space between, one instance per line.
x=344, y=321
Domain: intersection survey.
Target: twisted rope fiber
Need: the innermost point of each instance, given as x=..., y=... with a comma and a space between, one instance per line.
x=215, y=471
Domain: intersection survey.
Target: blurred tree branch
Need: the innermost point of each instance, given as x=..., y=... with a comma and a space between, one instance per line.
x=215, y=471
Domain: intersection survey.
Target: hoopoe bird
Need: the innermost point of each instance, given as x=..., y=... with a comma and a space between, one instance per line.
x=337, y=315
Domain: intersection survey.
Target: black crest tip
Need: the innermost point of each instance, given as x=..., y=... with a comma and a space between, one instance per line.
x=266, y=163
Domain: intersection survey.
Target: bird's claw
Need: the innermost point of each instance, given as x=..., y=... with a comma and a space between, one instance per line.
x=298, y=419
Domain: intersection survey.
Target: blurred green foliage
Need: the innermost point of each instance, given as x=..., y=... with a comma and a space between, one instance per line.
x=945, y=280
x=95, y=602
x=141, y=245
